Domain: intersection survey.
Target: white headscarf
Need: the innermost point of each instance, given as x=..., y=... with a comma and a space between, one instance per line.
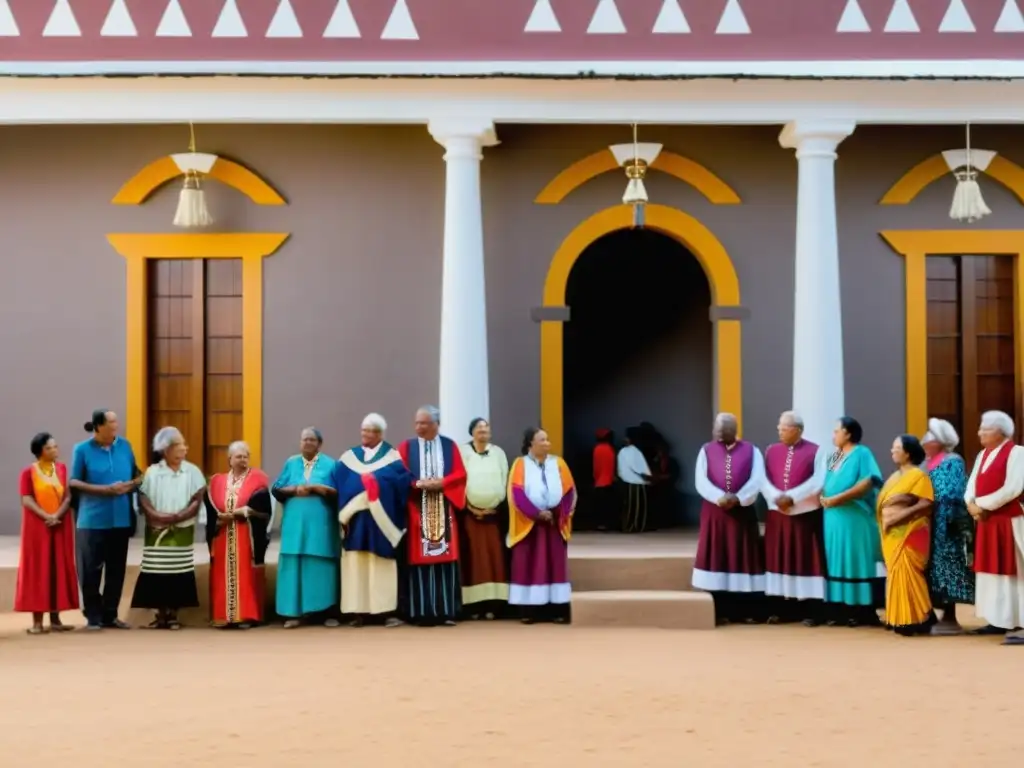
x=942, y=432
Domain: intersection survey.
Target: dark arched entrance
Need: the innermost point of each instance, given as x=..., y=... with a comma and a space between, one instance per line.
x=639, y=347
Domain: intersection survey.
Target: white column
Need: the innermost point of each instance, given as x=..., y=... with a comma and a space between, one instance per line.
x=818, y=384
x=464, y=387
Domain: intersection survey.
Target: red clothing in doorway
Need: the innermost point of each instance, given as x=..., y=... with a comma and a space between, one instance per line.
x=604, y=465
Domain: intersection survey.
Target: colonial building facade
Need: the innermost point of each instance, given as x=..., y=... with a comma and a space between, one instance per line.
x=402, y=190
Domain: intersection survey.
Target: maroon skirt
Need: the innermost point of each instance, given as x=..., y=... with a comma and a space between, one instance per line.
x=795, y=555
x=730, y=554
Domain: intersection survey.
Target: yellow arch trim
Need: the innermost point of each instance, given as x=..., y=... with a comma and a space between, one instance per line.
x=725, y=292
x=915, y=246
x=913, y=182
x=251, y=248
x=147, y=181
x=684, y=169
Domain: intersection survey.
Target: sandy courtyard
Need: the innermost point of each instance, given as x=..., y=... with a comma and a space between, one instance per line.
x=508, y=695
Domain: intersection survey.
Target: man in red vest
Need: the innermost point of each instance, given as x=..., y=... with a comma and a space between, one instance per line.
x=993, y=498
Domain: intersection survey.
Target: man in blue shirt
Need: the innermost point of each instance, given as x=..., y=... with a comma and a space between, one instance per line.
x=104, y=477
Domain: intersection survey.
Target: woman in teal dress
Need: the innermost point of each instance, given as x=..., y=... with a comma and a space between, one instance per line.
x=949, y=571
x=855, y=581
x=308, y=566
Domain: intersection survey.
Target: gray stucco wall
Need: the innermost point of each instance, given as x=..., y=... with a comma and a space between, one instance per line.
x=352, y=301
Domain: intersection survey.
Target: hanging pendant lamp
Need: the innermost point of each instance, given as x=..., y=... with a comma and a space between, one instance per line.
x=192, y=209
x=636, y=158
x=968, y=204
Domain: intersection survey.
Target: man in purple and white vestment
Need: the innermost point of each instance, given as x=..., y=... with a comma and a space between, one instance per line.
x=794, y=539
x=730, y=556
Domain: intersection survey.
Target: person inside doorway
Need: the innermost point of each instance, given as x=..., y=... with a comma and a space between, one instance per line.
x=604, y=503
x=635, y=474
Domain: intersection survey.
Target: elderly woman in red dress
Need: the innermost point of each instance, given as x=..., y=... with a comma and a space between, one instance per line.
x=47, y=580
x=237, y=517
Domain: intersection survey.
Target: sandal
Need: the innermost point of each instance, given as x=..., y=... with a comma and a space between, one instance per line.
x=156, y=624
x=173, y=624
x=35, y=631
x=61, y=628
x=292, y=624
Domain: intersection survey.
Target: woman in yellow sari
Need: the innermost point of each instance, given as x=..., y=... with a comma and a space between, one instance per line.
x=904, y=514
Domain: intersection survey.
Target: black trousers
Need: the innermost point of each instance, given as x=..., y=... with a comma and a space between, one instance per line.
x=102, y=559
x=606, y=508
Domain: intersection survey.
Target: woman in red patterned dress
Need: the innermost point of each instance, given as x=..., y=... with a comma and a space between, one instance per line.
x=237, y=518
x=47, y=579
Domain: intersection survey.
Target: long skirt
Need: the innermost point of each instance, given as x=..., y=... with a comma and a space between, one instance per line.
x=999, y=569
x=635, y=513
x=949, y=576
x=167, y=578
x=795, y=563
x=306, y=584
x=47, y=578
x=730, y=555
x=540, y=568
x=237, y=585
x=853, y=558
x=908, y=605
x=435, y=592
x=369, y=584
x=730, y=561
x=482, y=561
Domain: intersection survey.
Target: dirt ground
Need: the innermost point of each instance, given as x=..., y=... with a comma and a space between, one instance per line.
x=509, y=695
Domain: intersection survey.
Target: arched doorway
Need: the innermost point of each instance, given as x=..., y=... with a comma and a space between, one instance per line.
x=639, y=347
x=725, y=295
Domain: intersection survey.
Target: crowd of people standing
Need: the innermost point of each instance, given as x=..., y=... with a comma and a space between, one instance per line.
x=841, y=541
x=414, y=533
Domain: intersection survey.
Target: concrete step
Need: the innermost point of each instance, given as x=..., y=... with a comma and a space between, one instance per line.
x=657, y=609
x=638, y=574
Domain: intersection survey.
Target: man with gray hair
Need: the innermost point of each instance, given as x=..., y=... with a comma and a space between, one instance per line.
x=373, y=490
x=993, y=498
x=438, y=479
x=729, y=474
x=794, y=539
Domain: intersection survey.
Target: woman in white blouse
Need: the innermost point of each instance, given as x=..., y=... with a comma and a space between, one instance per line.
x=170, y=497
x=481, y=551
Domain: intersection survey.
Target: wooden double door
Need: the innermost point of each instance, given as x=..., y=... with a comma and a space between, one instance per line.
x=972, y=357
x=195, y=354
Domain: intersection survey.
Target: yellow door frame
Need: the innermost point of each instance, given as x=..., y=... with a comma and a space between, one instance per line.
x=725, y=292
x=251, y=248
x=915, y=246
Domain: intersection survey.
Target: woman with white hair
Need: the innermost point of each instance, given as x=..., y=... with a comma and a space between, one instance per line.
x=237, y=516
x=950, y=580
x=993, y=500
x=170, y=497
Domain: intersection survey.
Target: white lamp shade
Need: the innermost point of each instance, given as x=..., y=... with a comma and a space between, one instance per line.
x=626, y=152
x=957, y=158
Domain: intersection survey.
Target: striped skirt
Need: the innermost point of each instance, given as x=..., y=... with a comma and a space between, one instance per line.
x=167, y=578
